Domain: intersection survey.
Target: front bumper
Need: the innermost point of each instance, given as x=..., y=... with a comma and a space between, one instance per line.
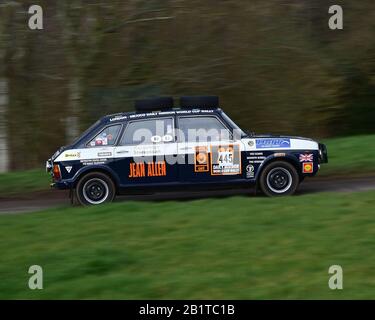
x=323, y=153
x=61, y=185
x=49, y=165
x=56, y=184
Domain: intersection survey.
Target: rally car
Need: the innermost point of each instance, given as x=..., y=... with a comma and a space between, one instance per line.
x=195, y=146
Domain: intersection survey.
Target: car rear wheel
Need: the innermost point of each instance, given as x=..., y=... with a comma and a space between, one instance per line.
x=279, y=178
x=95, y=188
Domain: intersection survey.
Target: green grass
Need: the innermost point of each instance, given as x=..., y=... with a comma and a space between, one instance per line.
x=347, y=156
x=350, y=156
x=243, y=248
x=23, y=182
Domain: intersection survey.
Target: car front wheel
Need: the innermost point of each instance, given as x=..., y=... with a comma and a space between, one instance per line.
x=279, y=178
x=95, y=188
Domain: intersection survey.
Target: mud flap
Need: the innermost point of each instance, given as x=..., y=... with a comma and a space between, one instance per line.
x=71, y=196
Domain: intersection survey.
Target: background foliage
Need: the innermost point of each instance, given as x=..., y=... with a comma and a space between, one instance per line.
x=275, y=64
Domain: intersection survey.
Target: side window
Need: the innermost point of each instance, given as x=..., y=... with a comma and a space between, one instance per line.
x=107, y=137
x=148, y=132
x=202, y=129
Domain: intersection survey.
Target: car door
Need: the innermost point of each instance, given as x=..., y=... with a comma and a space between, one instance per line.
x=146, y=152
x=210, y=154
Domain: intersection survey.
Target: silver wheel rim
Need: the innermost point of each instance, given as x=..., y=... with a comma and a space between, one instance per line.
x=279, y=174
x=95, y=182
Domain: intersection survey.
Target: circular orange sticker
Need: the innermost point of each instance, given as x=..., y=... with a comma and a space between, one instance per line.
x=201, y=158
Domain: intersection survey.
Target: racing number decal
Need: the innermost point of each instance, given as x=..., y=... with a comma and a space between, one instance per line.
x=225, y=160
x=201, y=160
x=225, y=156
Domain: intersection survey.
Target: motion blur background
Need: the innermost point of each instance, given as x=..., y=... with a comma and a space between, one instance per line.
x=275, y=64
x=277, y=68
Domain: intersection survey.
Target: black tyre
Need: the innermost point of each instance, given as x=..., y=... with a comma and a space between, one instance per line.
x=160, y=103
x=199, y=102
x=95, y=188
x=279, y=178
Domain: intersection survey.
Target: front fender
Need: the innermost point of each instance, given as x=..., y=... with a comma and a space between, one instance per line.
x=101, y=168
x=277, y=156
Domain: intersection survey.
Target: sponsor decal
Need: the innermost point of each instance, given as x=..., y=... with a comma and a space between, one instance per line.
x=73, y=155
x=272, y=143
x=146, y=150
x=68, y=168
x=280, y=154
x=165, y=138
x=93, y=161
x=194, y=111
x=118, y=118
x=249, y=171
x=150, y=169
x=307, y=167
x=307, y=157
x=101, y=141
x=201, y=160
x=104, y=154
x=142, y=115
x=225, y=160
x=256, y=157
x=251, y=143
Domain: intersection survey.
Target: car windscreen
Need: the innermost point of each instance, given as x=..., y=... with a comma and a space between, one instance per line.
x=232, y=124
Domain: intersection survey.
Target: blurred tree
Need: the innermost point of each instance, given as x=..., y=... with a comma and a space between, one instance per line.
x=276, y=65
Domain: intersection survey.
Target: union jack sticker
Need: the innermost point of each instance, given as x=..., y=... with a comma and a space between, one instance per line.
x=307, y=157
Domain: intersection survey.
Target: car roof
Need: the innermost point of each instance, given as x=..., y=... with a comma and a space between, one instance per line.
x=134, y=115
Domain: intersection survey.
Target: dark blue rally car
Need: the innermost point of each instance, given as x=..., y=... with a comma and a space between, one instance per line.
x=196, y=146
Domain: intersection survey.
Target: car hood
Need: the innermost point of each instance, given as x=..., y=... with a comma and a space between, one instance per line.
x=59, y=151
x=260, y=136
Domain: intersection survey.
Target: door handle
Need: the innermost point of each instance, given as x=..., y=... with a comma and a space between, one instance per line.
x=124, y=151
x=185, y=148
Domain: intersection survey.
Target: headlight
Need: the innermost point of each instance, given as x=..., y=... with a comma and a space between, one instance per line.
x=48, y=165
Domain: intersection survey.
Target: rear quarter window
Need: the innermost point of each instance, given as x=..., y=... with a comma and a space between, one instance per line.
x=202, y=129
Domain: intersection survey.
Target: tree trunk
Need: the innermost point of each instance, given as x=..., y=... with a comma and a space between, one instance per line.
x=3, y=133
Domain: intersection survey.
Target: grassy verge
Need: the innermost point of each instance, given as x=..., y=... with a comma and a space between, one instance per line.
x=350, y=156
x=23, y=182
x=347, y=156
x=215, y=249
